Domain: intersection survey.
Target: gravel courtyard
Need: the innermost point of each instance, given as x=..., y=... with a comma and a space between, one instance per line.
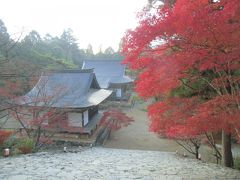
x=110, y=164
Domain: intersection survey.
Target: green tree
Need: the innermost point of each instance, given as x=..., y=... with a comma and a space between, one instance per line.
x=89, y=52
x=4, y=41
x=109, y=51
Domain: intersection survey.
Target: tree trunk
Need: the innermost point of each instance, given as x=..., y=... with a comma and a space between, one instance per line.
x=227, y=159
x=196, y=152
x=37, y=138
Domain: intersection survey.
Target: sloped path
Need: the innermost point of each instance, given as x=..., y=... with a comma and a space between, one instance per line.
x=137, y=135
x=110, y=164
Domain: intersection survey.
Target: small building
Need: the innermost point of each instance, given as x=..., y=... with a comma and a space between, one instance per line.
x=70, y=97
x=110, y=75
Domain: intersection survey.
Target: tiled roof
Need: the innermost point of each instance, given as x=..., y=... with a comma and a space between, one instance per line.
x=66, y=89
x=108, y=71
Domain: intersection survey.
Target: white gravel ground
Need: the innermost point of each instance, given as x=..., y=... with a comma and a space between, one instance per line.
x=110, y=164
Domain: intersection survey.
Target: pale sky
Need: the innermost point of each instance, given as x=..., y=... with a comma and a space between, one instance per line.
x=96, y=22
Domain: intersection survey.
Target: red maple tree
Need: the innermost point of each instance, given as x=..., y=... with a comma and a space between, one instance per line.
x=112, y=120
x=189, y=43
x=115, y=119
x=38, y=116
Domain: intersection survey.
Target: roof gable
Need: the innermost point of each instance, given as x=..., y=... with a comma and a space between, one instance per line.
x=107, y=71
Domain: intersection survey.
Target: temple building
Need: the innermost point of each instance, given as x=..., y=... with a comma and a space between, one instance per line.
x=110, y=75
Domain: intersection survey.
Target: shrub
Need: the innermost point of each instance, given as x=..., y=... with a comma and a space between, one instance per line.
x=237, y=163
x=25, y=145
x=15, y=151
x=11, y=142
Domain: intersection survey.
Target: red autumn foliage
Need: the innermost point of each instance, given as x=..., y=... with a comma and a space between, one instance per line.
x=167, y=117
x=115, y=119
x=4, y=135
x=37, y=116
x=186, y=41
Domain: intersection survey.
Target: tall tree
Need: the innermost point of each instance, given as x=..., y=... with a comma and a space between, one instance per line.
x=89, y=51
x=33, y=39
x=4, y=41
x=109, y=51
x=172, y=51
x=68, y=43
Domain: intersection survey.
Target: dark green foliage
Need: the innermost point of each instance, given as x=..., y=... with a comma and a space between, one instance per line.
x=11, y=142
x=190, y=90
x=47, y=53
x=4, y=41
x=196, y=87
x=237, y=163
